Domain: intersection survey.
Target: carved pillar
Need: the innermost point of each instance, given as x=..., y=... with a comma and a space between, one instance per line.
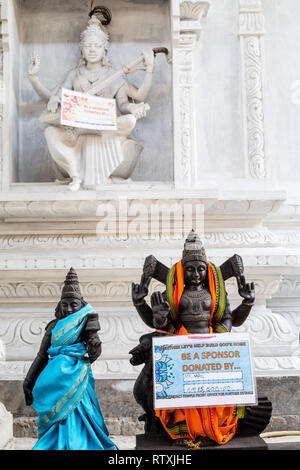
x=187, y=29
x=251, y=32
x=2, y=42
x=5, y=78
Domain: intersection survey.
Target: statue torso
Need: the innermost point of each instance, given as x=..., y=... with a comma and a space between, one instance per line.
x=84, y=80
x=195, y=307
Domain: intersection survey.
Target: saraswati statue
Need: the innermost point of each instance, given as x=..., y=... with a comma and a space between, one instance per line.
x=90, y=158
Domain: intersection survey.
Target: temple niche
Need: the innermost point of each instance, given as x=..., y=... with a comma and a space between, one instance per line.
x=42, y=33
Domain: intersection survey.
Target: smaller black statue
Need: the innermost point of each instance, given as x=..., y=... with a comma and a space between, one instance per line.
x=71, y=302
x=60, y=383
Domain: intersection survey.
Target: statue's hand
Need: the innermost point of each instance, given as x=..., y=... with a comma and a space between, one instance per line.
x=139, y=110
x=28, y=394
x=53, y=104
x=34, y=65
x=246, y=290
x=148, y=57
x=140, y=291
x=94, y=348
x=161, y=310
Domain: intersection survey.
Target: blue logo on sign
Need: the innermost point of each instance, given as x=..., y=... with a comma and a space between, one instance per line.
x=164, y=376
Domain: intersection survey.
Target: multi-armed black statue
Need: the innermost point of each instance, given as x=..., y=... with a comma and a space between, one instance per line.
x=60, y=384
x=194, y=301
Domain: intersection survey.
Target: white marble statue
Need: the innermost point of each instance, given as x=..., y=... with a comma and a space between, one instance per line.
x=91, y=158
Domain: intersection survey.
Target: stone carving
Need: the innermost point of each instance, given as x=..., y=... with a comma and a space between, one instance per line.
x=186, y=36
x=86, y=157
x=251, y=30
x=193, y=11
x=61, y=209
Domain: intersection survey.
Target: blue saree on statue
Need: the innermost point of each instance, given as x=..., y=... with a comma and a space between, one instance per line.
x=64, y=397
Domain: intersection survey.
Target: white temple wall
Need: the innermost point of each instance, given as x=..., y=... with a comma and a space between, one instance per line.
x=219, y=93
x=282, y=92
x=198, y=149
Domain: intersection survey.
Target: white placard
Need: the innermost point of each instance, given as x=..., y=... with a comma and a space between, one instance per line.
x=88, y=111
x=203, y=370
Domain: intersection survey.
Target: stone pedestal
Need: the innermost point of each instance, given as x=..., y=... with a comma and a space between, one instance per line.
x=6, y=426
x=149, y=442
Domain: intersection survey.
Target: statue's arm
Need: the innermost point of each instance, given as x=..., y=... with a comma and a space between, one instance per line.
x=145, y=312
x=131, y=99
x=241, y=313
x=68, y=82
x=38, y=364
x=156, y=317
x=247, y=291
x=55, y=98
x=40, y=89
x=138, y=294
x=125, y=106
x=33, y=71
x=141, y=93
x=227, y=319
x=91, y=338
x=161, y=311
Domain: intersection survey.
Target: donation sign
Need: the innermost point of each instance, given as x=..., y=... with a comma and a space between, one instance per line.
x=203, y=370
x=88, y=111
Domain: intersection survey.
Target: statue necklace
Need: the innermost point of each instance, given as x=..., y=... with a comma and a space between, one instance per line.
x=93, y=75
x=87, y=78
x=199, y=294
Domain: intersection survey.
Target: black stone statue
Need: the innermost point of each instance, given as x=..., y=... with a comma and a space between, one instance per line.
x=60, y=383
x=71, y=301
x=194, y=315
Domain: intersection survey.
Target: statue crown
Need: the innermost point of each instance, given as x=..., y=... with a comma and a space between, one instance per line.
x=193, y=249
x=71, y=286
x=94, y=27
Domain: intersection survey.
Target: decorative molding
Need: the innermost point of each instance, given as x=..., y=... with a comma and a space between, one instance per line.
x=264, y=288
x=49, y=292
x=118, y=291
x=251, y=32
x=271, y=333
x=193, y=11
x=288, y=289
x=293, y=316
x=94, y=211
x=277, y=366
x=122, y=369
x=119, y=369
x=212, y=239
x=21, y=334
x=132, y=261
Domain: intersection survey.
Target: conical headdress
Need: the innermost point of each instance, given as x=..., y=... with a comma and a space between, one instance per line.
x=71, y=286
x=193, y=249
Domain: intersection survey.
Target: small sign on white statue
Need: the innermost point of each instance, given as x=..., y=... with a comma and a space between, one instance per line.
x=203, y=370
x=88, y=111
